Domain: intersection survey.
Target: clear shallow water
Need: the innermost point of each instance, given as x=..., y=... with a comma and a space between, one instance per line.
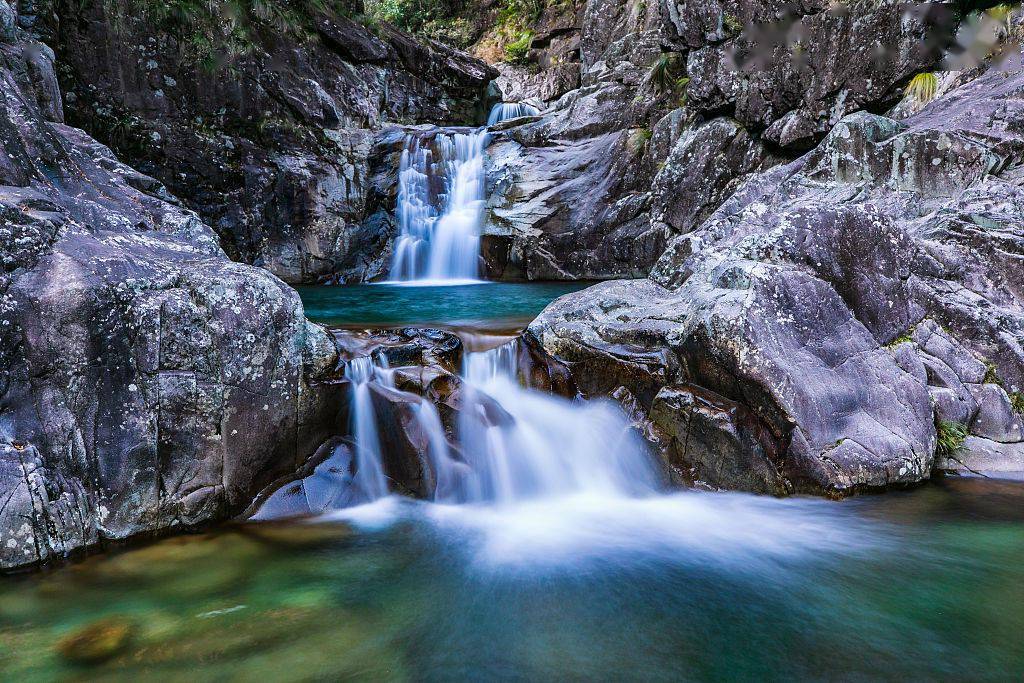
x=927, y=584
x=488, y=305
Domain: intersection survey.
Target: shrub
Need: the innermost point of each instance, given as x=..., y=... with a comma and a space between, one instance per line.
x=517, y=51
x=951, y=438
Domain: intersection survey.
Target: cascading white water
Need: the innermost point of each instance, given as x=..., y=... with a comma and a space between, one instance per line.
x=521, y=444
x=439, y=231
x=505, y=111
x=369, y=482
x=515, y=444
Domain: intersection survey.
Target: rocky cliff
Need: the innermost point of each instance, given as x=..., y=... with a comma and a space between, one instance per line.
x=262, y=123
x=834, y=323
x=147, y=382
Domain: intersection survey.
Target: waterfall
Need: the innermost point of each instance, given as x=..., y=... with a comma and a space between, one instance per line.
x=441, y=199
x=369, y=482
x=514, y=444
x=522, y=444
x=505, y=111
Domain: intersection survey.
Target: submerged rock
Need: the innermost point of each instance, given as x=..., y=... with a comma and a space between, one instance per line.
x=96, y=642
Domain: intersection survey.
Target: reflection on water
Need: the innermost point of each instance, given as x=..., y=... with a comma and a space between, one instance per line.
x=923, y=584
x=486, y=306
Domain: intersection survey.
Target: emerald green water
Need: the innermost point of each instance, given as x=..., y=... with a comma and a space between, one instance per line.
x=502, y=305
x=927, y=584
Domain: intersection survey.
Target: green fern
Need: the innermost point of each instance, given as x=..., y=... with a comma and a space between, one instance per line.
x=662, y=74
x=951, y=438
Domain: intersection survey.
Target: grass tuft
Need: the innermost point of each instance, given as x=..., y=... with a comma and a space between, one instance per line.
x=951, y=438
x=922, y=87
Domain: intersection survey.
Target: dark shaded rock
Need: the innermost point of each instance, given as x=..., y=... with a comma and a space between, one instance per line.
x=269, y=147
x=146, y=382
x=720, y=441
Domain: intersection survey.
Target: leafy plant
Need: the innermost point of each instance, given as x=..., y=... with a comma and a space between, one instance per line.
x=638, y=139
x=991, y=376
x=922, y=87
x=1017, y=401
x=516, y=52
x=951, y=438
x=662, y=74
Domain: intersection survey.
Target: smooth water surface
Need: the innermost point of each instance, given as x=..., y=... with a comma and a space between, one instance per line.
x=927, y=584
x=497, y=305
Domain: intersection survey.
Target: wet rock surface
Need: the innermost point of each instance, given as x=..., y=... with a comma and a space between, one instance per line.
x=146, y=382
x=850, y=301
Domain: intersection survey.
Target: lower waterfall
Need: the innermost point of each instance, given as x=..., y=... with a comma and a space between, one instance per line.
x=512, y=444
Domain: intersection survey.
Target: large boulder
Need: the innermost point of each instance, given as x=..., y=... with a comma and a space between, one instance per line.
x=146, y=382
x=854, y=304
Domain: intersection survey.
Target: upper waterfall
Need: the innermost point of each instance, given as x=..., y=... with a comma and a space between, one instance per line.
x=504, y=111
x=441, y=198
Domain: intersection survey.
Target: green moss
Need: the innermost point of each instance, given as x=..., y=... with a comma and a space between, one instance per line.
x=1017, y=401
x=516, y=52
x=951, y=438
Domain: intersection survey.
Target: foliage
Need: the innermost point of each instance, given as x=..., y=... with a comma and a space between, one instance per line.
x=638, y=139
x=520, y=13
x=991, y=377
x=664, y=73
x=517, y=51
x=457, y=32
x=922, y=87
x=1017, y=401
x=415, y=16
x=951, y=438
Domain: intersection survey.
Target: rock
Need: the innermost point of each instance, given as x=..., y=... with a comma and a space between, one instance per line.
x=744, y=56
x=96, y=642
x=719, y=440
x=721, y=154
x=987, y=458
x=796, y=298
x=148, y=383
x=996, y=420
x=8, y=23
x=272, y=149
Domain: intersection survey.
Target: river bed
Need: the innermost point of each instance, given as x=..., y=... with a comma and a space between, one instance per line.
x=690, y=586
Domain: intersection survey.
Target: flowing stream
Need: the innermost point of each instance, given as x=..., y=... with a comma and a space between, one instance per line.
x=547, y=546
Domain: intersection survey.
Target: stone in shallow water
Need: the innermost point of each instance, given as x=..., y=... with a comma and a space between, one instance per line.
x=97, y=642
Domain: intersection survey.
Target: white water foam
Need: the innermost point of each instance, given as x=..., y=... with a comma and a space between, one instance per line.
x=439, y=230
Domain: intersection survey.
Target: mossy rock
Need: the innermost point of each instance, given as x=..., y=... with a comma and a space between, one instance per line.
x=97, y=642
